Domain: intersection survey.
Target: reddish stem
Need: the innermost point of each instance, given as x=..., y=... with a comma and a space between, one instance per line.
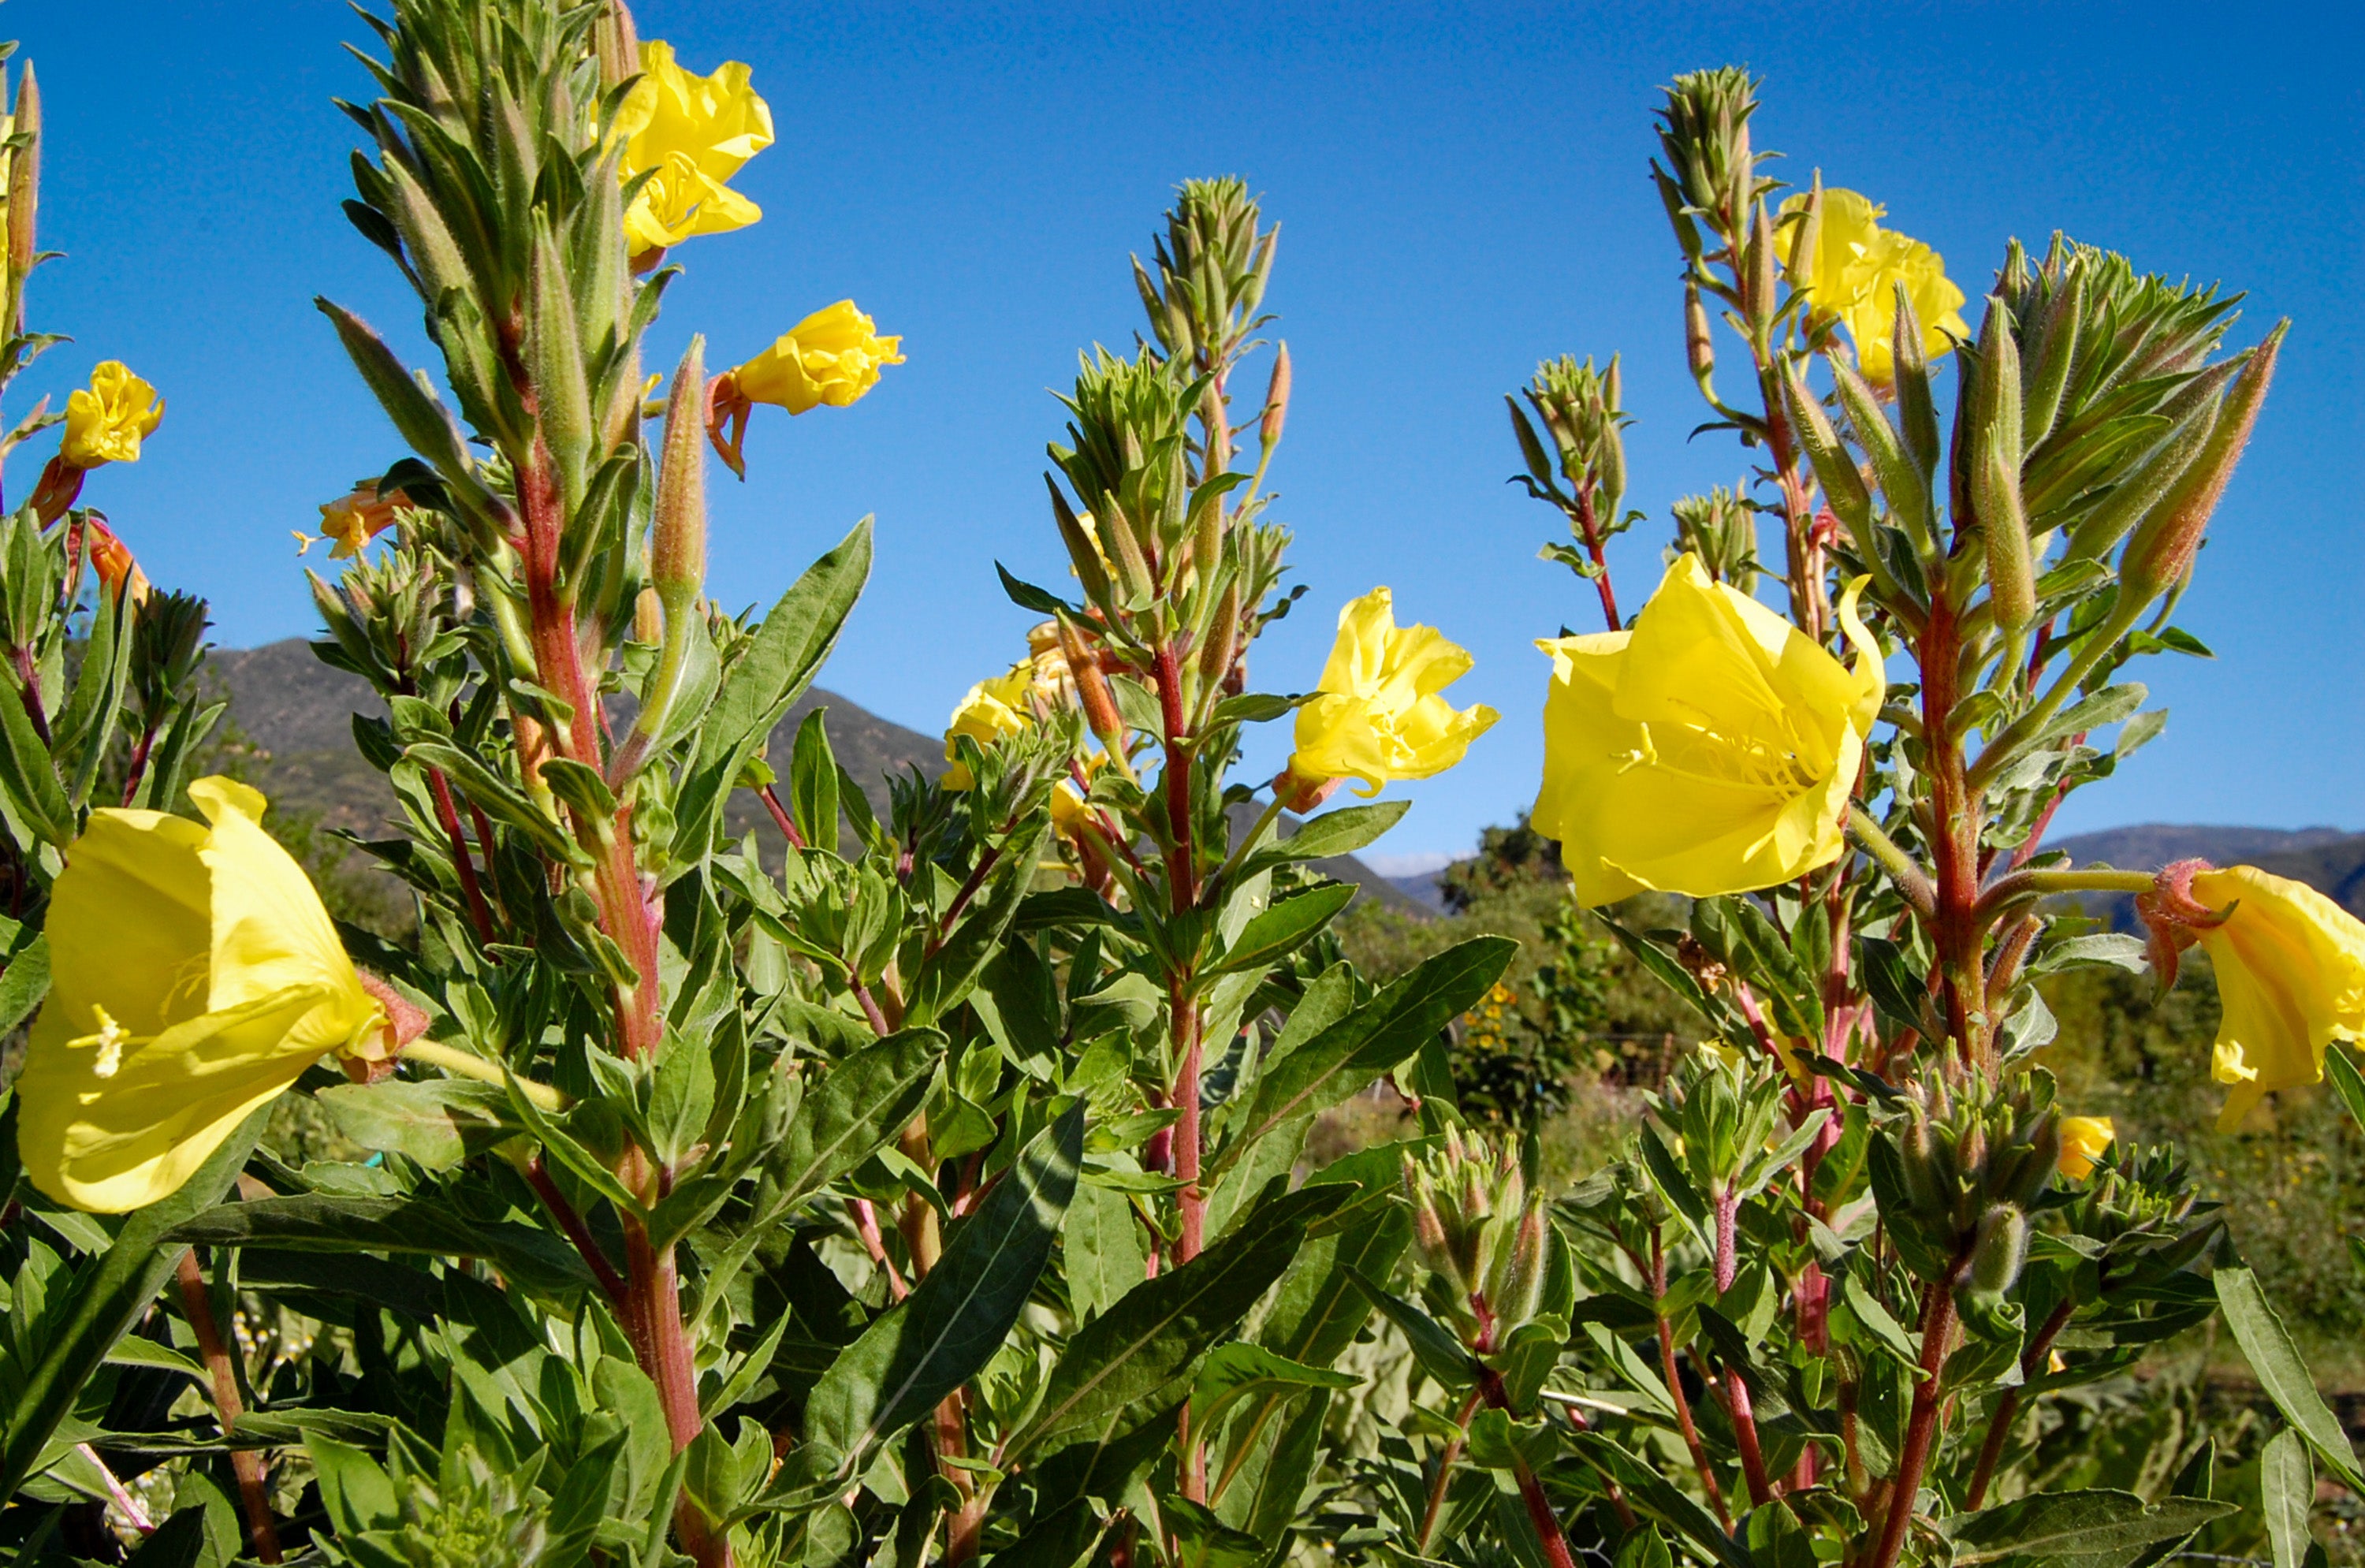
x=1684, y=1422
x=1588, y=528
x=612, y=1284
x=1921, y=1424
x=196, y=1301
x=2031, y=1361
x=781, y=818
x=448, y=814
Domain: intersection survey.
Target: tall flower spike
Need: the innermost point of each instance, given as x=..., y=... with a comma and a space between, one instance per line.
x=194, y=976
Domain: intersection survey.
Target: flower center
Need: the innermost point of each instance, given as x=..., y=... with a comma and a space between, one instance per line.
x=111, y=1040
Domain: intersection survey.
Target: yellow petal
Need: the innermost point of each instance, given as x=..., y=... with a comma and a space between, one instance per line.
x=2290, y=976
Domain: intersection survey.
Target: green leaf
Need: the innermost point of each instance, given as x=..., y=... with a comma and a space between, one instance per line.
x=1370, y=1039
x=787, y=651
x=946, y=1331
x=1440, y=1355
x=2287, y=1494
x=28, y=775
x=2339, y=1066
x=2283, y=1373
x=437, y=1122
x=107, y=1296
x=863, y=1102
x=500, y=800
x=1123, y=1359
x=1283, y=929
x=317, y=1223
x=2075, y=1529
x=1342, y=831
x=812, y=782
x=1242, y=1370
x=1104, y=1252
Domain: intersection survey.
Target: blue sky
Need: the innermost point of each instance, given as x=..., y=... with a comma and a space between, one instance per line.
x=1462, y=191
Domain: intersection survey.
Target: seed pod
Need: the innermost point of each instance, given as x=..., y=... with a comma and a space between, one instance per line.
x=1999, y=1251
x=2166, y=541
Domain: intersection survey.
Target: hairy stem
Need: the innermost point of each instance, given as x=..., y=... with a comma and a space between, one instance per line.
x=2031, y=1361
x=1921, y=1424
x=447, y=814
x=1684, y=1423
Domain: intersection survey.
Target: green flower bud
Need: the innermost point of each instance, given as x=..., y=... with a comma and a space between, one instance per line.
x=1999, y=1249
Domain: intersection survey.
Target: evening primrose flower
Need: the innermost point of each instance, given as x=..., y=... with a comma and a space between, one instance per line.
x=831, y=358
x=353, y=519
x=695, y=132
x=2291, y=974
x=1377, y=716
x=1854, y=275
x=194, y=976
x=105, y=421
x=993, y=707
x=1710, y=748
x=112, y=560
x=2083, y=1141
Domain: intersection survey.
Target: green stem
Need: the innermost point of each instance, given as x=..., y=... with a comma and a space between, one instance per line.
x=463, y=1064
x=2015, y=886
x=2097, y=646
x=1248, y=844
x=1911, y=879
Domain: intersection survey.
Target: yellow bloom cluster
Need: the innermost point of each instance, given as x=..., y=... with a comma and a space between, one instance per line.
x=1710, y=748
x=1855, y=273
x=194, y=976
x=694, y=132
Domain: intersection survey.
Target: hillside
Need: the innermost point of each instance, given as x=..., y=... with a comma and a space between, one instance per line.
x=298, y=712
x=2326, y=858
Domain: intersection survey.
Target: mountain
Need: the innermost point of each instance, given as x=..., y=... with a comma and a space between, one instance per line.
x=298, y=714
x=2326, y=858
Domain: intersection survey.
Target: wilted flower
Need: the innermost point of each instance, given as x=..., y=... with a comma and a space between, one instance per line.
x=194, y=975
x=1855, y=272
x=695, y=132
x=1378, y=716
x=105, y=421
x=2290, y=966
x=832, y=357
x=353, y=519
x=111, y=559
x=1710, y=749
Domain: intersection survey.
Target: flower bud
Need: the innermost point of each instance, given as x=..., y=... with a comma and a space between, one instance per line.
x=618, y=44
x=678, y=533
x=1517, y=1288
x=1132, y=566
x=1760, y=259
x=1806, y=238
x=1843, y=485
x=1999, y=1249
x=112, y=560
x=2166, y=541
x=25, y=177
x=1276, y=400
x=1223, y=637
x=1092, y=692
x=1700, y=344
x=2003, y=523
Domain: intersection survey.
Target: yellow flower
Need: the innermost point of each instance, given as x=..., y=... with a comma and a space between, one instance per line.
x=1378, y=716
x=1855, y=272
x=194, y=975
x=2083, y=1139
x=992, y=709
x=2291, y=974
x=695, y=132
x=353, y=519
x=833, y=356
x=1710, y=748
x=104, y=423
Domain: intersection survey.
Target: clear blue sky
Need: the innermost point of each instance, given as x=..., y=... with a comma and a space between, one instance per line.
x=1462, y=192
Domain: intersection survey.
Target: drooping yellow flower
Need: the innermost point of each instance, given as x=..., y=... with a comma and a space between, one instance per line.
x=194, y=975
x=2083, y=1139
x=2291, y=974
x=833, y=356
x=105, y=421
x=696, y=132
x=1710, y=748
x=992, y=709
x=1379, y=717
x=353, y=519
x=1854, y=275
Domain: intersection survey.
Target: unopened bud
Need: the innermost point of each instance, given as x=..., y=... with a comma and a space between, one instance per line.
x=24, y=176
x=1999, y=1249
x=2003, y=522
x=2166, y=541
x=648, y=618
x=1700, y=342
x=1084, y=547
x=1223, y=637
x=1806, y=238
x=1517, y=1287
x=618, y=42
x=1092, y=692
x=1301, y=792
x=1843, y=485
x=678, y=533
x=1276, y=400
x=1760, y=259
x=1132, y=566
